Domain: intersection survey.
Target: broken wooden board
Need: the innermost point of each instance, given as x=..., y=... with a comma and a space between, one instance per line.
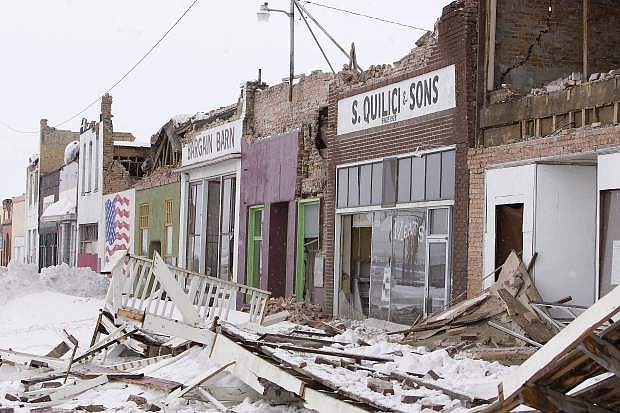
x=155, y=383
x=560, y=357
x=173, y=328
x=526, y=319
x=186, y=388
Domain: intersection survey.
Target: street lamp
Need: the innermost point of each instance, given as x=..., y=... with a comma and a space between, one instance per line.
x=263, y=16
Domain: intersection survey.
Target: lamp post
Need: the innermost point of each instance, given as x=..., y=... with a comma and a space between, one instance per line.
x=263, y=15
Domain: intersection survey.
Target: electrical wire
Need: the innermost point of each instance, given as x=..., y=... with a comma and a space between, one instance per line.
x=9, y=127
x=92, y=103
x=366, y=16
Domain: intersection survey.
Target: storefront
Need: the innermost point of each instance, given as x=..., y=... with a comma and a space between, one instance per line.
x=393, y=226
x=210, y=174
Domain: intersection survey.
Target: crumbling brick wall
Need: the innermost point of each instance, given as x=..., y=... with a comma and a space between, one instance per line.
x=53, y=143
x=572, y=141
x=542, y=40
x=455, y=43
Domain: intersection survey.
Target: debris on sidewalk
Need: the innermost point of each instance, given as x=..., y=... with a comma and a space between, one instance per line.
x=298, y=311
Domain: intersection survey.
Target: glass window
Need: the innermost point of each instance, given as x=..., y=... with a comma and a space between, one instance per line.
x=227, y=228
x=354, y=187
x=343, y=180
x=404, y=180
x=169, y=240
x=433, y=176
x=418, y=177
x=90, y=165
x=377, y=179
x=390, y=166
x=213, y=227
x=255, y=246
x=365, y=184
x=437, y=262
x=311, y=220
x=194, y=224
x=439, y=221
x=447, y=174
x=144, y=242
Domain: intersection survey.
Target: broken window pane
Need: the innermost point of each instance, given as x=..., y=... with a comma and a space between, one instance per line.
x=418, y=177
x=404, y=180
x=343, y=181
x=447, y=174
x=433, y=176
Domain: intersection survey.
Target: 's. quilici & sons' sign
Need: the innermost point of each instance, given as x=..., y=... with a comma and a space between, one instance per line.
x=213, y=143
x=421, y=95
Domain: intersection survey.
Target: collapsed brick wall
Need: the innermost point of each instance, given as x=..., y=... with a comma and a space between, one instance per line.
x=534, y=46
x=572, y=141
x=162, y=175
x=53, y=143
x=272, y=114
x=454, y=43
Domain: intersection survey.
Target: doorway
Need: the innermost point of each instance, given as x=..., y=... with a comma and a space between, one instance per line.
x=508, y=232
x=278, y=233
x=609, y=263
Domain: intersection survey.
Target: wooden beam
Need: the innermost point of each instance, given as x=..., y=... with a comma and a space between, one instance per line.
x=602, y=352
x=551, y=401
x=584, y=28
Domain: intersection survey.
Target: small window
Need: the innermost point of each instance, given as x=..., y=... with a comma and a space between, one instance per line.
x=343, y=181
x=433, y=176
x=404, y=180
x=438, y=221
x=377, y=179
x=168, y=212
x=144, y=242
x=365, y=184
x=418, y=178
x=447, y=174
x=354, y=187
x=144, y=216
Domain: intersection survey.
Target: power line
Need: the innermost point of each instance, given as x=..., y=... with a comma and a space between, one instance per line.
x=366, y=16
x=9, y=127
x=91, y=104
x=133, y=67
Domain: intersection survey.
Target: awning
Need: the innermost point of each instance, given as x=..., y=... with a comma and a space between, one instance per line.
x=61, y=210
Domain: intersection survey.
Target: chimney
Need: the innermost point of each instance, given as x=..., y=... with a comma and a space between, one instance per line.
x=106, y=107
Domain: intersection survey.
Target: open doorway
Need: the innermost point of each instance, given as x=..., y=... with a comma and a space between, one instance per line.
x=356, y=241
x=278, y=232
x=508, y=232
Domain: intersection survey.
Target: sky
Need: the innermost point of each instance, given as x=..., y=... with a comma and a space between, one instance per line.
x=60, y=55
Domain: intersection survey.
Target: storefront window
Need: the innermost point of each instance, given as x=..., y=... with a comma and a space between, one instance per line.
x=194, y=224
x=307, y=246
x=426, y=177
x=227, y=230
x=213, y=226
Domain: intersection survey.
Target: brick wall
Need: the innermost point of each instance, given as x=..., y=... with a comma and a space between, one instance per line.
x=566, y=142
x=603, y=36
x=453, y=43
x=52, y=146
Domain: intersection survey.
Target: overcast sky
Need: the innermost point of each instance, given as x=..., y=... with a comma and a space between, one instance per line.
x=59, y=55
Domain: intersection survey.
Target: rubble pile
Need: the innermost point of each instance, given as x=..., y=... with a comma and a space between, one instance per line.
x=298, y=311
x=575, y=79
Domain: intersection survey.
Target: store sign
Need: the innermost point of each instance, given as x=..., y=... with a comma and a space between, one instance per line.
x=421, y=95
x=213, y=143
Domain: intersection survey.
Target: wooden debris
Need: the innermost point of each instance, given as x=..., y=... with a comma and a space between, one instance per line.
x=380, y=386
x=139, y=400
x=163, y=385
x=354, y=356
x=413, y=381
x=275, y=318
x=92, y=408
x=410, y=398
x=60, y=350
x=433, y=375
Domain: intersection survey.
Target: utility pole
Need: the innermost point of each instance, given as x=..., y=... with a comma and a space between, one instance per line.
x=291, y=76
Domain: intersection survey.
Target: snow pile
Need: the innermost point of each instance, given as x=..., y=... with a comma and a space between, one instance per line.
x=22, y=279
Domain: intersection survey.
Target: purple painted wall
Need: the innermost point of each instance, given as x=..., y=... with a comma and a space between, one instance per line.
x=268, y=176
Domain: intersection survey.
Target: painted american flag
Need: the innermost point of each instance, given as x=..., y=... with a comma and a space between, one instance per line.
x=117, y=225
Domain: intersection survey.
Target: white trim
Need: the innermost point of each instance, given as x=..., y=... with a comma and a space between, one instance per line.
x=404, y=155
x=208, y=162
x=408, y=205
x=336, y=269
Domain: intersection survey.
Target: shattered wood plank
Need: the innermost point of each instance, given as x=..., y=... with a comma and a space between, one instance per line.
x=514, y=334
x=308, y=341
x=380, y=386
x=602, y=352
x=343, y=354
x=137, y=364
x=275, y=318
x=526, y=319
x=60, y=350
x=161, y=325
x=92, y=370
x=19, y=357
x=186, y=388
x=131, y=315
x=548, y=400
x=211, y=399
x=545, y=359
x=91, y=352
x=414, y=382
x=155, y=383
x=68, y=391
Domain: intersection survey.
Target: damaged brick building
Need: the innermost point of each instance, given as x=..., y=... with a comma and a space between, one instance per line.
x=397, y=196
x=544, y=172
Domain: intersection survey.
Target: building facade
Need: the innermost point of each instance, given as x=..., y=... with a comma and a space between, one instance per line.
x=397, y=194
x=17, y=230
x=110, y=163
x=31, y=226
x=283, y=178
x=544, y=175
x=6, y=245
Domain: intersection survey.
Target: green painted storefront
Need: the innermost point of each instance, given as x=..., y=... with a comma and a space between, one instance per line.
x=157, y=209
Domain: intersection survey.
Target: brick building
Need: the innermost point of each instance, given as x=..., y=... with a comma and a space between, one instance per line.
x=397, y=195
x=158, y=195
x=110, y=163
x=283, y=178
x=5, y=232
x=544, y=174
